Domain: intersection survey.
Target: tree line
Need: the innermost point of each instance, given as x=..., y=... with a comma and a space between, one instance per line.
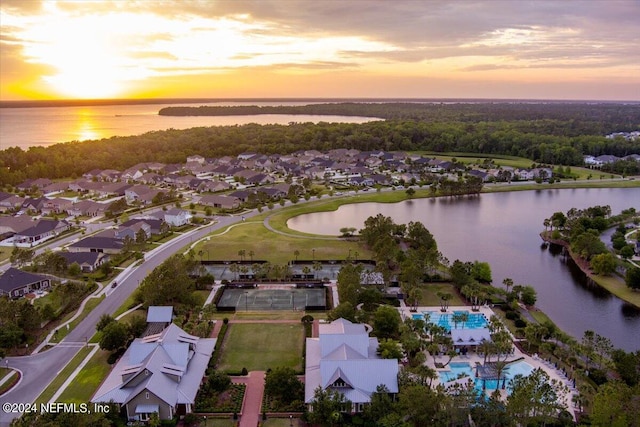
x=543, y=133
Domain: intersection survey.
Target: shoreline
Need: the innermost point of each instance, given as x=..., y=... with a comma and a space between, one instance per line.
x=585, y=267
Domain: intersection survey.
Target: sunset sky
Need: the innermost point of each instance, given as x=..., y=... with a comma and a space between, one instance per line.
x=320, y=48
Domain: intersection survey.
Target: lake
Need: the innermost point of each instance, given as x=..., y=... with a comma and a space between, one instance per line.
x=42, y=126
x=503, y=229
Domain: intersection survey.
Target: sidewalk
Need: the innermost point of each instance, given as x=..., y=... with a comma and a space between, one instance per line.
x=252, y=404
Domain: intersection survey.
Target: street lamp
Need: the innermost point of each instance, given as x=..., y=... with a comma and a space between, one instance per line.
x=293, y=301
x=313, y=253
x=246, y=297
x=290, y=420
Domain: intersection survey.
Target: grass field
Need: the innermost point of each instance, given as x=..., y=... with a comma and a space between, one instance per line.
x=273, y=247
x=260, y=346
x=86, y=383
x=430, y=294
x=618, y=287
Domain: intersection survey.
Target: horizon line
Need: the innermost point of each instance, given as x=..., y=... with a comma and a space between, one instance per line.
x=62, y=102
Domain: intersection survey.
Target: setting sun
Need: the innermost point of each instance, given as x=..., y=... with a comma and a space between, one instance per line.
x=113, y=49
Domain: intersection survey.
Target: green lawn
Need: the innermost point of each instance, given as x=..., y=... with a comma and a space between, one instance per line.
x=280, y=422
x=57, y=382
x=618, y=287
x=218, y=422
x=260, y=346
x=87, y=381
x=273, y=247
x=9, y=383
x=430, y=294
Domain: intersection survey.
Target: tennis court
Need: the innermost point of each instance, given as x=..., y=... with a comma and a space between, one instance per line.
x=274, y=298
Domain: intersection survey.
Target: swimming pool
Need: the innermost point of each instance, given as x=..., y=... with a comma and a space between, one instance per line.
x=463, y=369
x=446, y=320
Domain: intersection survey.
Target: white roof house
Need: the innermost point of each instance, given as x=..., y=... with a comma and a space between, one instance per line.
x=470, y=337
x=345, y=359
x=158, y=373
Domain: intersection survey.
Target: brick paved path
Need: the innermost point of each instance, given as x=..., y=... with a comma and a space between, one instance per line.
x=252, y=404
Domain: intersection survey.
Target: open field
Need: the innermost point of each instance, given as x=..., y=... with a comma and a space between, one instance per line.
x=430, y=297
x=257, y=346
x=273, y=247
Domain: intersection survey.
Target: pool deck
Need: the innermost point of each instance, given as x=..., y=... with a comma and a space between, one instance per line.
x=472, y=358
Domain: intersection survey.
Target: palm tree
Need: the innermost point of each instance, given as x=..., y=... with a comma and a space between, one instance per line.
x=241, y=254
x=414, y=295
x=317, y=266
x=508, y=283
x=251, y=254
x=464, y=317
x=444, y=300
x=234, y=269
x=296, y=253
x=306, y=270
x=456, y=318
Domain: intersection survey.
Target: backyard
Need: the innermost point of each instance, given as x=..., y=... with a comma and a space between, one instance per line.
x=260, y=346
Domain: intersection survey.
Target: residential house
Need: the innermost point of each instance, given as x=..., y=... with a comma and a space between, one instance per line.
x=11, y=203
x=38, y=183
x=88, y=261
x=43, y=229
x=131, y=229
x=158, y=373
x=34, y=204
x=213, y=186
x=219, y=201
x=55, y=187
x=141, y=193
x=16, y=283
x=344, y=358
x=56, y=206
x=87, y=208
x=177, y=217
x=103, y=244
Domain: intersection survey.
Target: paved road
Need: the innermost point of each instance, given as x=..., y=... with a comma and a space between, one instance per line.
x=40, y=369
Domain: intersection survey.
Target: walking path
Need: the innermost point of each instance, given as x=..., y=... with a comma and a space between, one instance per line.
x=252, y=404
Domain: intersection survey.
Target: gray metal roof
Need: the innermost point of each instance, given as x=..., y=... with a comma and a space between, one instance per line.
x=157, y=313
x=352, y=358
x=174, y=368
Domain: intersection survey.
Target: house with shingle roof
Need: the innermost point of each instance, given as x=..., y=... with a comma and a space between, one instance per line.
x=41, y=230
x=88, y=261
x=159, y=373
x=17, y=283
x=344, y=358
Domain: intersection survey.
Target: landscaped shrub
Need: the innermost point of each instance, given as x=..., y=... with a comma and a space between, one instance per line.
x=520, y=323
x=598, y=376
x=244, y=372
x=512, y=315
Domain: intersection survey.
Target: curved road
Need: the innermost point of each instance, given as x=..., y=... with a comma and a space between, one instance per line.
x=40, y=369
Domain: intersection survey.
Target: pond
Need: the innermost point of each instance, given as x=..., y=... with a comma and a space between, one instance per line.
x=503, y=229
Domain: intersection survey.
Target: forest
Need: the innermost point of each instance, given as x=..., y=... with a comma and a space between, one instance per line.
x=557, y=134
